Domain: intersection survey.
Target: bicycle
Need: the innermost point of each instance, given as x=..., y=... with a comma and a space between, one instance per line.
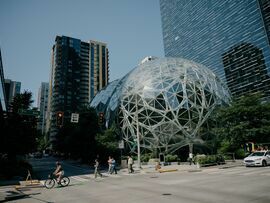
x=50, y=182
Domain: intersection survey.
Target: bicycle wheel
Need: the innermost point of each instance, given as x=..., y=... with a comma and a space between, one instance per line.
x=64, y=181
x=49, y=183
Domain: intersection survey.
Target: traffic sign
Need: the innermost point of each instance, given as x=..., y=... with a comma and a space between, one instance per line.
x=121, y=144
x=74, y=118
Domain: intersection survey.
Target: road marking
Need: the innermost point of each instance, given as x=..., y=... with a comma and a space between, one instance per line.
x=112, y=175
x=89, y=175
x=265, y=174
x=239, y=171
x=78, y=178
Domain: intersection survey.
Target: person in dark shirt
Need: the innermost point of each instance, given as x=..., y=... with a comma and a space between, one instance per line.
x=59, y=172
x=113, y=166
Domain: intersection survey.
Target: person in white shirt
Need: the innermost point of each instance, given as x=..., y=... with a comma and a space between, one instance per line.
x=190, y=158
x=130, y=163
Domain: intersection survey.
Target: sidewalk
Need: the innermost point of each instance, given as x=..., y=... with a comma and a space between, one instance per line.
x=8, y=193
x=183, y=167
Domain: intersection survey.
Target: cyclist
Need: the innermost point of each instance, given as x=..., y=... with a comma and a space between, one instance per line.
x=59, y=172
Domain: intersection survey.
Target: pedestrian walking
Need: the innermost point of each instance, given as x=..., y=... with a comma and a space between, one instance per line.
x=130, y=163
x=110, y=164
x=113, y=166
x=190, y=158
x=97, y=172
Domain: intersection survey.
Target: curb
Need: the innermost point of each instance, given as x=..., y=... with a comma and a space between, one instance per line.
x=224, y=167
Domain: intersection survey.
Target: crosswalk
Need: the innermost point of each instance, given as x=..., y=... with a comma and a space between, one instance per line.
x=235, y=171
x=241, y=171
x=89, y=177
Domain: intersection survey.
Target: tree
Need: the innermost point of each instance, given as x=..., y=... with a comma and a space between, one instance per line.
x=42, y=141
x=18, y=137
x=246, y=119
x=78, y=139
x=20, y=130
x=107, y=142
x=21, y=101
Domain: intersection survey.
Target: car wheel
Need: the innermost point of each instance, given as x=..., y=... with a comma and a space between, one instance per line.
x=264, y=163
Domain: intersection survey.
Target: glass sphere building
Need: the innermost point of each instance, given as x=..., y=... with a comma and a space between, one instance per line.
x=165, y=101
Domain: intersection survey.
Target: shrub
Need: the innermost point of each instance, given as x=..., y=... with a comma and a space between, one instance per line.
x=220, y=159
x=240, y=154
x=209, y=159
x=145, y=157
x=171, y=158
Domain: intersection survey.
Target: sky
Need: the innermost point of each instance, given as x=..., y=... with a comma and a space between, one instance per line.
x=131, y=29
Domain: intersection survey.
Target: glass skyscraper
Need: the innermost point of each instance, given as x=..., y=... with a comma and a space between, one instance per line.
x=78, y=71
x=230, y=37
x=12, y=88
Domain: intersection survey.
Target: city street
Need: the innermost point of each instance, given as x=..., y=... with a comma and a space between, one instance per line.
x=236, y=184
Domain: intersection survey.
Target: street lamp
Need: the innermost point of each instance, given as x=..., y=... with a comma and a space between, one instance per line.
x=138, y=135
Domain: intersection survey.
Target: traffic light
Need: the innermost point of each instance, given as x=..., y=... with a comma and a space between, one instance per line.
x=100, y=118
x=59, y=118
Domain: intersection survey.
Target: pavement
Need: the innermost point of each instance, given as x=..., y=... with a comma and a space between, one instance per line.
x=8, y=193
x=11, y=192
x=184, y=167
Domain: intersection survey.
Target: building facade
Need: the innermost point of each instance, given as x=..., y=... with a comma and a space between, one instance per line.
x=12, y=88
x=3, y=103
x=230, y=37
x=42, y=103
x=78, y=71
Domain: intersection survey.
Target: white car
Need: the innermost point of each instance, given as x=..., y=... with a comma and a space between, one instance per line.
x=258, y=158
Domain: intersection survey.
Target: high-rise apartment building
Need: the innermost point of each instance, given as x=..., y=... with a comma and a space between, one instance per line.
x=3, y=103
x=42, y=103
x=78, y=71
x=12, y=88
x=230, y=37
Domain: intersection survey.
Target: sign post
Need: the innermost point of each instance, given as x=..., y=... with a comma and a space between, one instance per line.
x=121, y=146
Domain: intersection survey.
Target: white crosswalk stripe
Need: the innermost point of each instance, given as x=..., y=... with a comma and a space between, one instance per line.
x=113, y=175
x=131, y=174
x=88, y=177
x=78, y=178
x=239, y=171
x=265, y=174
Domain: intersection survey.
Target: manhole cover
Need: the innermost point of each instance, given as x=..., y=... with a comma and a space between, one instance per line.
x=154, y=177
x=166, y=194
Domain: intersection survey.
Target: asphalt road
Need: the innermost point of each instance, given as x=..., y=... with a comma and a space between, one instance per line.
x=237, y=184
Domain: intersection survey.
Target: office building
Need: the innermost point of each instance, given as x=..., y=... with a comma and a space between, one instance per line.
x=230, y=37
x=78, y=71
x=42, y=103
x=12, y=88
x=3, y=106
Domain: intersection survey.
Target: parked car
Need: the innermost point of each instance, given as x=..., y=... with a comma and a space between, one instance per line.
x=258, y=158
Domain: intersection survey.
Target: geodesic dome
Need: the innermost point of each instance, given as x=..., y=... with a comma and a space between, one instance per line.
x=167, y=100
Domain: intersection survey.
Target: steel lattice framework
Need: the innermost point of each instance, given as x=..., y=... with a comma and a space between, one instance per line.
x=165, y=100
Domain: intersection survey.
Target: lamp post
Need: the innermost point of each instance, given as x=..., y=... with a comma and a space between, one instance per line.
x=138, y=135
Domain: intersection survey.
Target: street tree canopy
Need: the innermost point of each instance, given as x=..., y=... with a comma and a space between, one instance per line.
x=247, y=119
x=19, y=134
